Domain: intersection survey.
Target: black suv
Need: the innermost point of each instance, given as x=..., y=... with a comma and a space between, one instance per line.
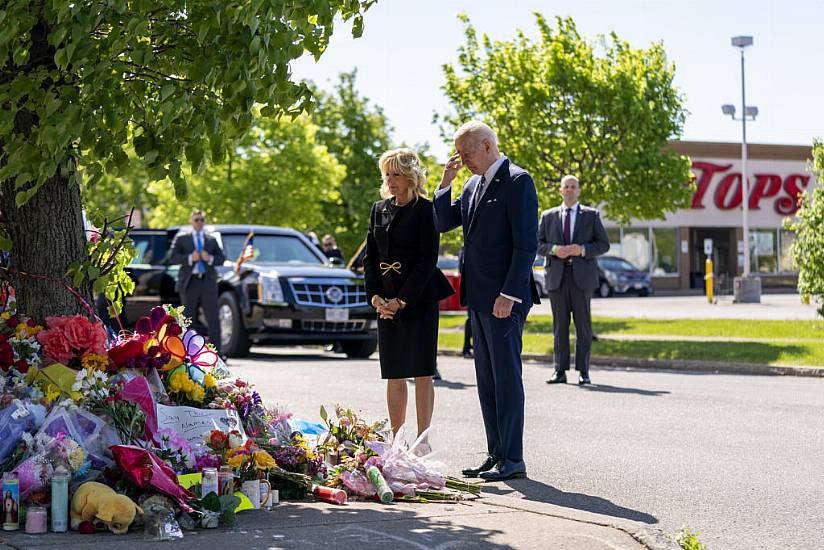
x=289, y=294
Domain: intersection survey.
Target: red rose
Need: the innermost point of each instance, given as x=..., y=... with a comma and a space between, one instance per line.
x=22, y=366
x=6, y=355
x=82, y=335
x=122, y=352
x=218, y=440
x=12, y=321
x=55, y=345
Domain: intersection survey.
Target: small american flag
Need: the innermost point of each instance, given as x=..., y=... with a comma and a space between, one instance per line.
x=248, y=252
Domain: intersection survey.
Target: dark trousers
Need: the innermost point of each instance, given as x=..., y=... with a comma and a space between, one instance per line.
x=565, y=300
x=500, y=386
x=202, y=293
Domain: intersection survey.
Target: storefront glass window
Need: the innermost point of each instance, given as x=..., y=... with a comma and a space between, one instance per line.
x=785, y=259
x=665, y=251
x=764, y=250
x=635, y=247
x=614, y=235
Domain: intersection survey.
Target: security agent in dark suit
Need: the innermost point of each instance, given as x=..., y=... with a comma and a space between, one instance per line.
x=498, y=211
x=571, y=236
x=198, y=252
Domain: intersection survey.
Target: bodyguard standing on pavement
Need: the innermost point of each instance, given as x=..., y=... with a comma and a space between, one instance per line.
x=198, y=252
x=498, y=211
x=571, y=236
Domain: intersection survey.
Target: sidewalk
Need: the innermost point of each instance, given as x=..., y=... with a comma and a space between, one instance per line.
x=488, y=522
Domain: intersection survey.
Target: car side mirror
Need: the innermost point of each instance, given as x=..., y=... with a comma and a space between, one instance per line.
x=337, y=262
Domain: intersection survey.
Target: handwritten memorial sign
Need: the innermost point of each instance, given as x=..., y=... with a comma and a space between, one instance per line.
x=191, y=423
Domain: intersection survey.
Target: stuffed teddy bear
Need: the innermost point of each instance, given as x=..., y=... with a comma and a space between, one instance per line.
x=96, y=502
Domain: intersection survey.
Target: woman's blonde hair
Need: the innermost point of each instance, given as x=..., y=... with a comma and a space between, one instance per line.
x=407, y=163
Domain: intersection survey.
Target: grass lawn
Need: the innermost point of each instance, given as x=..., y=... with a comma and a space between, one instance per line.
x=786, y=342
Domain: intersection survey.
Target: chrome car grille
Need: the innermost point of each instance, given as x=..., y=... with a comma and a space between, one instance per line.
x=323, y=292
x=332, y=326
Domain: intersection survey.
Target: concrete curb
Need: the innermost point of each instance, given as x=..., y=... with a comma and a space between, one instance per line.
x=678, y=365
x=651, y=537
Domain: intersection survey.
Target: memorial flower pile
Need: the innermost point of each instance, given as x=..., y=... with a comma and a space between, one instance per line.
x=141, y=411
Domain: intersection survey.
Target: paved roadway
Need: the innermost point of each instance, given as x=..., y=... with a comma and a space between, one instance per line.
x=737, y=458
x=772, y=306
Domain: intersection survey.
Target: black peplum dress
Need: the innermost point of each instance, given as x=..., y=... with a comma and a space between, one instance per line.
x=401, y=262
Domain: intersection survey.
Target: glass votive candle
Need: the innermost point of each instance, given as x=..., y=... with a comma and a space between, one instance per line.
x=36, y=520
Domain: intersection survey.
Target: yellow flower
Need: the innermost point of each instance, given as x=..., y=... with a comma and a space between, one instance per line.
x=263, y=460
x=93, y=361
x=5, y=315
x=197, y=394
x=51, y=394
x=236, y=461
x=209, y=380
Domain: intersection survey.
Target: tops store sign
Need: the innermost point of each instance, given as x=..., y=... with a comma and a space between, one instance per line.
x=717, y=182
x=774, y=188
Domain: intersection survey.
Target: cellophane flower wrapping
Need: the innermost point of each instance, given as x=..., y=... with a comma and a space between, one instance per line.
x=147, y=471
x=89, y=430
x=402, y=466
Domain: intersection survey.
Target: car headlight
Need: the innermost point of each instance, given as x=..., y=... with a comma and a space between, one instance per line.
x=270, y=290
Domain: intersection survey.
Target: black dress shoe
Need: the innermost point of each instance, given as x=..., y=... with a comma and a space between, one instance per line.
x=559, y=377
x=506, y=469
x=488, y=464
x=583, y=379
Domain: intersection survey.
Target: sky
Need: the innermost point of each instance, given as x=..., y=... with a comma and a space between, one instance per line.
x=405, y=43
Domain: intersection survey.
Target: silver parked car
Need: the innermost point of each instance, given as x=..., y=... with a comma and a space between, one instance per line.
x=617, y=276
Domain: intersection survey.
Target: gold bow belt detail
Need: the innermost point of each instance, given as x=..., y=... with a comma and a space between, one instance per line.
x=386, y=268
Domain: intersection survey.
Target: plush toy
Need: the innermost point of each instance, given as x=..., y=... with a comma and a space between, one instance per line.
x=97, y=503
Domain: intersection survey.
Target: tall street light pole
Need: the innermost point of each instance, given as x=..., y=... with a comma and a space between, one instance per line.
x=748, y=289
x=742, y=42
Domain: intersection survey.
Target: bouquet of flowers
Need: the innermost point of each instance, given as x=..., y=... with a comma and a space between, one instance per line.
x=19, y=348
x=297, y=456
x=69, y=337
x=349, y=434
x=104, y=398
x=175, y=450
x=247, y=459
x=47, y=453
x=269, y=424
x=238, y=395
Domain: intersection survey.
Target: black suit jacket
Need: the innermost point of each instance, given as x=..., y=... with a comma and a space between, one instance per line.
x=588, y=232
x=405, y=237
x=499, y=238
x=181, y=252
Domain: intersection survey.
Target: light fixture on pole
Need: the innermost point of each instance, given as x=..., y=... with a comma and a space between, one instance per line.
x=747, y=288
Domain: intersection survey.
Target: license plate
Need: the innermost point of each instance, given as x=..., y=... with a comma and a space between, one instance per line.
x=337, y=314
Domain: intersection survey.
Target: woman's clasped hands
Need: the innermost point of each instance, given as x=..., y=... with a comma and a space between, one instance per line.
x=386, y=308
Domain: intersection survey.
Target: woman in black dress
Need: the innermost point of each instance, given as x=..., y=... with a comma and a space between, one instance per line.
x=404, y=284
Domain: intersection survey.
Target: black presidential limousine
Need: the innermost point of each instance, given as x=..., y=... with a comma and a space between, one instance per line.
x=289, y=293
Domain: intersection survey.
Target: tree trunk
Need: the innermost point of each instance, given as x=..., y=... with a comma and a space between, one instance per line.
x=47, y=236
x=47, y=232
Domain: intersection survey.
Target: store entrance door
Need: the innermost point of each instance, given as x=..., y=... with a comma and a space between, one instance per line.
x=723, y=254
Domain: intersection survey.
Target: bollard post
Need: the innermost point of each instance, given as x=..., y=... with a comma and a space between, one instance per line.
x=708, y=279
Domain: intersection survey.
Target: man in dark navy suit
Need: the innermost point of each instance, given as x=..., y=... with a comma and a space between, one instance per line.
x=498, y=211
x=571, y=236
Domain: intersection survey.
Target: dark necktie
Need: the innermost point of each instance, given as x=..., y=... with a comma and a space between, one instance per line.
x=568, y=226
x=476, y=199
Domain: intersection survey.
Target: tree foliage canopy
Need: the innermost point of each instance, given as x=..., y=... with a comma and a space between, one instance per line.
x=564, y=105
x=808, y=248
x=175, y=80
x=278, y=175
x=84, y=85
